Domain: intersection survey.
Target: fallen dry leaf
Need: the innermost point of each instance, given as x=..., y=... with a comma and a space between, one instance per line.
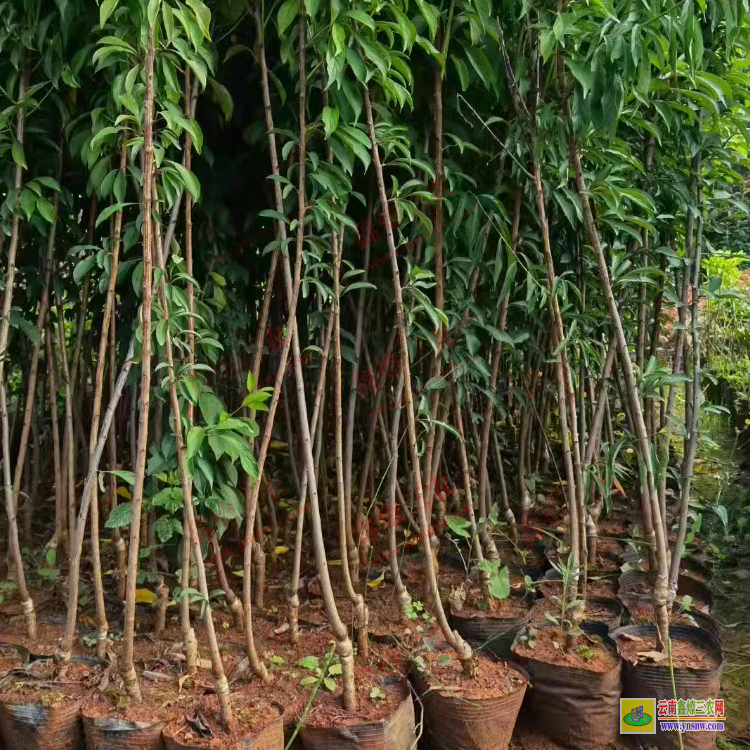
x=656, y=656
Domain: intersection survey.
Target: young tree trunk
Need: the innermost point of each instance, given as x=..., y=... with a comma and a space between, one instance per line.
x=489, y=405
x=14, y=546
x=652, y=521
x=119, y=543
x=356, y=599
x=343, y=644
x=60, y=535
x=692, y=427
x=129, y=676
x=108, y=314
x=404, y=600
x=462, y=649
x=484, y=574
x=31, y=386
x=68, y=440
x=316, y=423
x=217, y=667
x=362, y=541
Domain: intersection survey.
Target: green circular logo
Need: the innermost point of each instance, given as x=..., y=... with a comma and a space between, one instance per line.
x=640, y=720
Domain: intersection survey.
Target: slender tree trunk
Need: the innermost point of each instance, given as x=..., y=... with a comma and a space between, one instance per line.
x=315, y=425
x=692, y=427
x=14, y=546
x=489, y=405
x=357, y=600
x=119, y=543
x=484, y=574
x=217, y=667
x=129, y=675
x=652, y=520
x=463, y=650
x=362, y=540
x=404, y=600
x=31, y=386
x=68, y=440
x=60, y=535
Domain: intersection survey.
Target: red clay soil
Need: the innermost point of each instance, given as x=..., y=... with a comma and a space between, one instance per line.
x=527, y=738
x=48, y=684
x=250, y=718
x=598, y=587
x=328, y=709
x=47, y=635
x=644, y=612
x=684, y=653
x=10, y=659
x=586, y=654
x=510, y=608
x=494, y=678
x=598, y=612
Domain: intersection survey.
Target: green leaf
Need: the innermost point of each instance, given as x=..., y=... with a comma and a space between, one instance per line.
x=193, y=387
x=250, y=382
x=458, y=525
x=105, y=11
x=194, y=440
x=82, y=268
x=210, y=407
x=582, y=74
x=46, y=209
x=202, y=15
x=18, y=156
x=152, y=11
x=108, y=211
x=329, y=683
x=500, y=584
x=188, y=178
x=223, y=98
x=120, y=516
x=287, y=14
x=330, y=119
x=358, y=285
x=362, y=17
x=309, y=662
x=430, y=15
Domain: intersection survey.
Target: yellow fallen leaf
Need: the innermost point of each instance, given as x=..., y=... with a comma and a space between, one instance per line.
x=124, y=492
x=334, y=562
x=280, y=550
x=144, y=596
x=376, y=581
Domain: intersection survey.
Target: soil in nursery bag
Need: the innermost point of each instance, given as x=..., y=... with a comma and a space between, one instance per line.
x=12, y=657
x=492, y=631
x=642, y=582
x=697, y=662
x=384, y=719
x=607, y=610
x=40, y=704
x=197, y=725
x=600, y=584
x=470, y=713
x=575, y=694
x=112, y=722
x=641, y=610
